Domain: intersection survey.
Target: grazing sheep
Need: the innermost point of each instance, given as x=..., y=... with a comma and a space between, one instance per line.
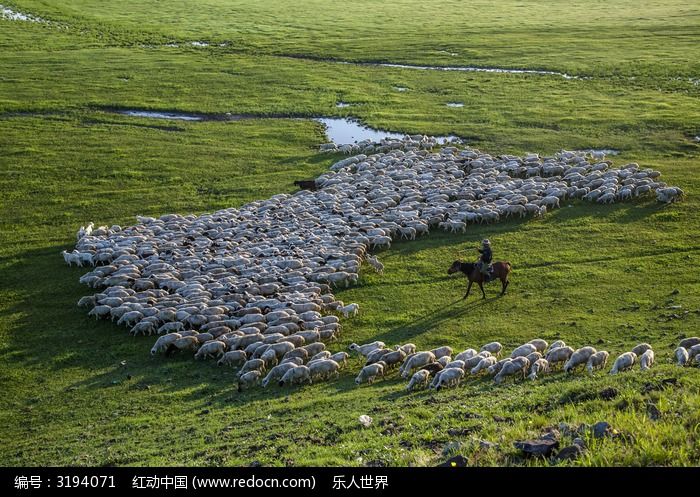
x=394, y=358
x=449, y=377
x=419, y=379
x=350, y=310
x=484, y=365
x=646, y=360
x=248, y=380
x=300, y=353
x=296, y=376
x=184, y=344
x=682, y=357
x=442, y=352
x=164, y=342
x=314, y=348
x=376, y=355
x=408, y=348
x=366, y=348
x=493, y=347
x=540, y=366
x=233, y=358
x=324, y=354
x=369, y=373
x=467, y=354
x=518, y=365
x=559, y=355
x=473, y=361
x=444, y=361
x=433, y=368
x=556, y=344
x=270, y=358
x=523, y=351
x=579, y=357
x=533, y=357
x=252, y=365
x=341, y=358
x=641, y=348
x=540, y=345
x=597, y=361
x=693, y=352
x=624, y=362
x=496, y=368
x=298, y=361
x=276, y=373
x=324, y=369
x=686, y=343
x=213, y=349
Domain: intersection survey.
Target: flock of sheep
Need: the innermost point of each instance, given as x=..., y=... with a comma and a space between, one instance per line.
x=264, y=273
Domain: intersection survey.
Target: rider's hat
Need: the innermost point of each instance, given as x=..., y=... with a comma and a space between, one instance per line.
x=485, y=241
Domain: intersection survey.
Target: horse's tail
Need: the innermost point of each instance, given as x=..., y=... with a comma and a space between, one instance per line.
x=509, y=265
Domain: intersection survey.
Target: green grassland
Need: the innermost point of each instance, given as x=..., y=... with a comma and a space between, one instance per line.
x=80, y=392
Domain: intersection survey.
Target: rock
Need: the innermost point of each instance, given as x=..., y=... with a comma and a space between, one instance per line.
x=551, y=433
x=365, y=420
x=376, y=463
x=609, y=393
x=451, y=448
x=602, y=429
x=653, y=411
x=255, y=464
x=568, y=453
x=540, y=447
x=485, y=444
x=501, y=419
x=454, y=462
x=676, y=291
x=580, y=443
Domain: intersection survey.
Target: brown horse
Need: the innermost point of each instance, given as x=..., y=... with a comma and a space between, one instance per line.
x=501, y=270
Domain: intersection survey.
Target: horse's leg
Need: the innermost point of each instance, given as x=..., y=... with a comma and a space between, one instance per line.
x=504, y=285
x=481, y=285
x=469, y=288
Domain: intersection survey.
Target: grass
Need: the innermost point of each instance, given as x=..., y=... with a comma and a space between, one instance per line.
x=80, y=392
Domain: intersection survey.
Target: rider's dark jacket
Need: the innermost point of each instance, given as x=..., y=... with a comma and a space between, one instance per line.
x=486, y=255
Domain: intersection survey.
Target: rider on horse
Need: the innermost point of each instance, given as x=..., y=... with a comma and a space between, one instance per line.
x=485, y=259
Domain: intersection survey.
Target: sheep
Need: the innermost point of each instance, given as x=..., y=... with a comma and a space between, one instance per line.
x=408, y=348
x=419, y=379
x=534, y=356
x=559, y=355
x=442, y=352
x=579, y=357
x=375, y=263
x=324, y=368
x=252, y=365
x=466, y=354
x=350, y=310
x=369, y=373
x=483, y=365
x=296, y=376
x=300, y=353
x=394, y=358
x=269, y=357
x=248, y=380
x=493, y=347
x=518, y=365
x=540, y=345
x=597, y=361
x=473, y=361
x=641, y=348
x=298, y=361
x=686, y=343
x=646, y=360
x=277, y=372
x=233, y=358
x=314, y=348
x=556, y=344
x=523, y=351
x=494, y=369
x=540, y=366
x=681, y=355
x=624, y=362
x=449, y=378
x=183, y=344
x=324, y=354
x=340, y=357
x=376, y=355
x=444, y=361
x=213, y=349
x=164, y=342
x=366, y=348
x=693, y=352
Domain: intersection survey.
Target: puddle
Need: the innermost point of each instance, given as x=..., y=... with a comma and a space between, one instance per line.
x=342, y=105
x=343, y=131
x=199, y=44
x=400, y=88
x=12, y=15
x=455, y=104
x=177, y=116
x=452, y=54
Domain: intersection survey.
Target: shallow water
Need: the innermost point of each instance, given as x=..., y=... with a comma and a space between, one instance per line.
x=12, y=15
x=342, y=105
x=178, y=116
x=455, y=104
x=400, y=88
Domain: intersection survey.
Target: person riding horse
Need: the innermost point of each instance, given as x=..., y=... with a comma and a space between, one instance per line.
x=485, y=259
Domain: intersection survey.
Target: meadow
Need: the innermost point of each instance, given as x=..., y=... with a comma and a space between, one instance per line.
x=81, y=392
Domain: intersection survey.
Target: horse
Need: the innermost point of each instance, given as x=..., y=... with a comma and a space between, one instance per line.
x=501, y=269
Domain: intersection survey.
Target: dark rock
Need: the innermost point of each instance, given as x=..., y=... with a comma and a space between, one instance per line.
x=454, y=462
x=376, y=463
x=460, y=432
x=451, y=448
x=675, y=291
x=600, y=341
x=583, y=429
x=255, y=464
x=485, y=444
x=601, y=429
x=501, y=419
x=609, y=393
x=653, y=411
x=540, y=447
x=580, y=443
x=551, y=433
x=569, y=453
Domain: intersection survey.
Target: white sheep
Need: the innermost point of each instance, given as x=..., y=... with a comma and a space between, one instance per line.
x=324, y=369
x=556, y=344
x=518, y=365
x=496, y=368
x=579, y=357
x=682, y=357
x=252, y=365
x=444, y=351
x=408, y=348
x=483, y=365
x=693, y=352
x=624, y=362
x=540, y=345
x=559, y=355
x=366, y=348
x=340, y=357
x=597, y=361
x=540, y=366
x=449, y=378
x=466, y=354
x=248, y=380
x=523, y=351
x=296, y=376
x=369, y=373
x=232, y=358
x=534, y=356
x=164, y=342
x=419, y=379
x=641, y=348
x=493, y=347
x=276, y=373
x=646, y=360
x=416, y=361
x=213, y=349
x=686, y=343
x=350, y=310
